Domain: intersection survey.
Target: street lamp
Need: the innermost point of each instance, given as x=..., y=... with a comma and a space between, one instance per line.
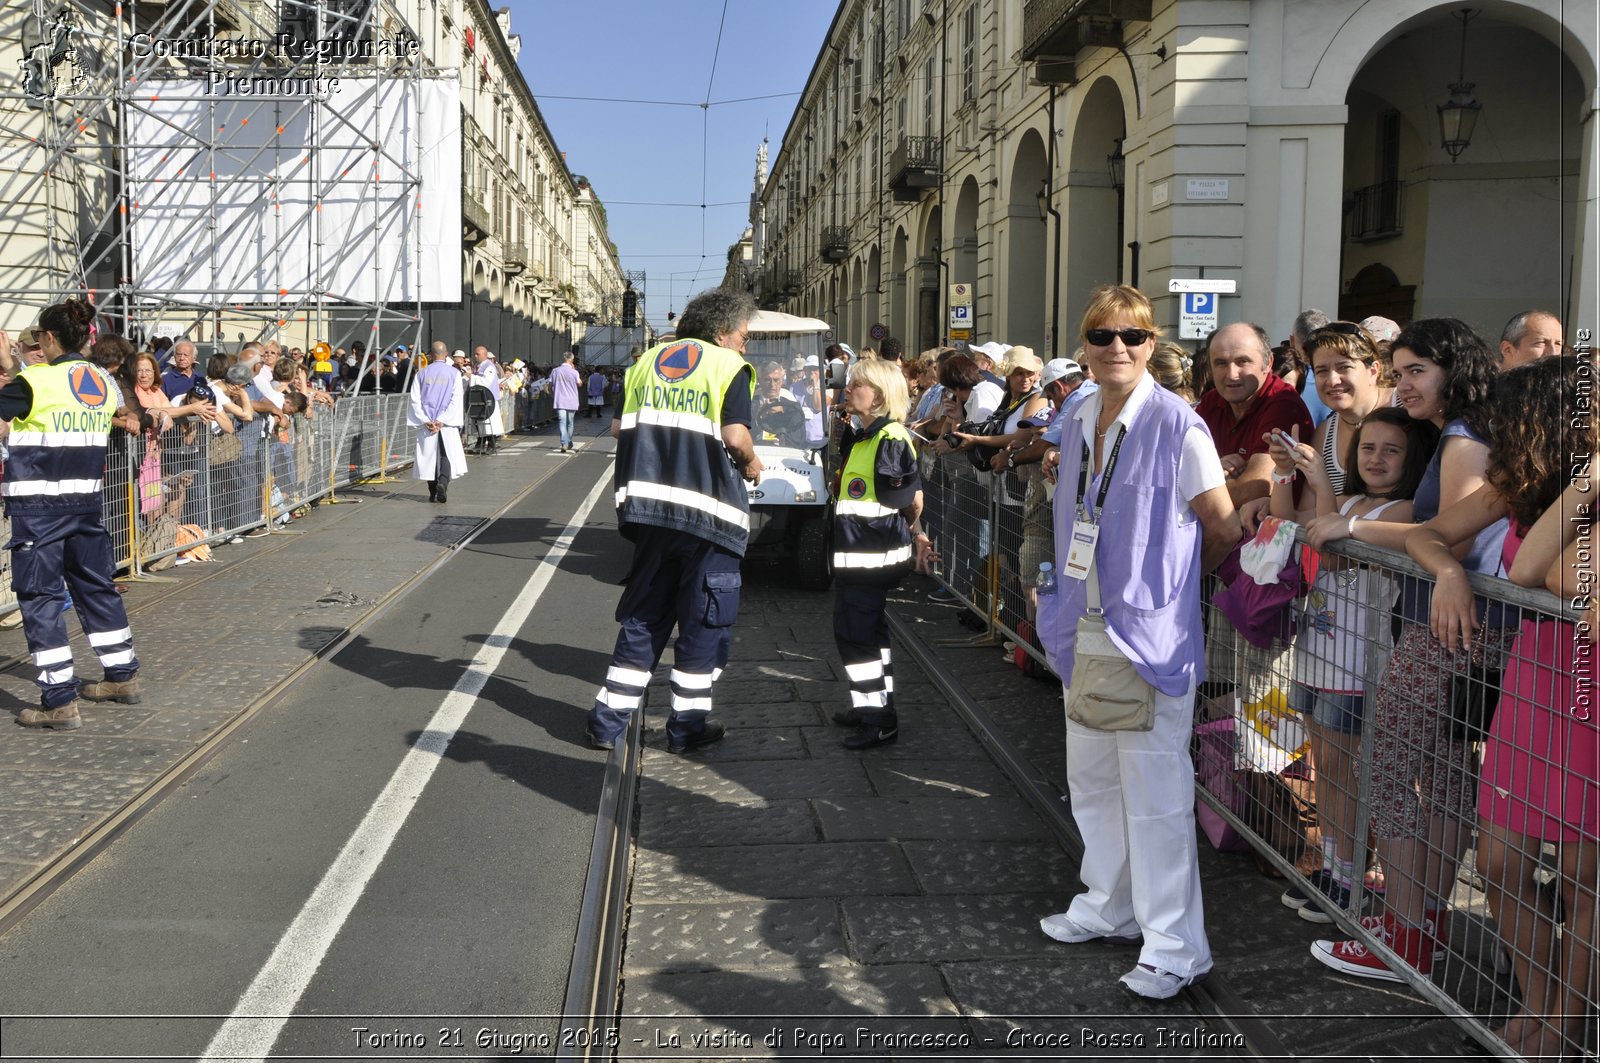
x=1459, y=114
x=1042, y=197
x=1116, y=164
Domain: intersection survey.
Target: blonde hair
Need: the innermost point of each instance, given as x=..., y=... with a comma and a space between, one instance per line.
x=1111, y=301
x=885, y=378
x=1170, y=364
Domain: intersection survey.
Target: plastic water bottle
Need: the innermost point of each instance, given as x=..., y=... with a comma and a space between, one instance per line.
x=1047, y=579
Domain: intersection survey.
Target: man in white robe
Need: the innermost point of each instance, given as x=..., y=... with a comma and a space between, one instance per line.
x=487, y=375
x=438, y=411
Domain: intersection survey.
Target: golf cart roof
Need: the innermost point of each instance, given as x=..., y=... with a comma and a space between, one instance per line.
x=773, y=321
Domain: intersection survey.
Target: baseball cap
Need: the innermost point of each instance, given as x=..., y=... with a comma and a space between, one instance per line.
x=29, y=337
x=1057, y=369
x=388, y=358
x=1380, y=328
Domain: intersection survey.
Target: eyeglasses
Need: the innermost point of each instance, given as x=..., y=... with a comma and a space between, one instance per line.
x=1131, y=337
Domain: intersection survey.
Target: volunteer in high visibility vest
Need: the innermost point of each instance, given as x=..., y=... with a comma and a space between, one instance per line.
x=876, y=541
x=683, y=452
x=60, y=413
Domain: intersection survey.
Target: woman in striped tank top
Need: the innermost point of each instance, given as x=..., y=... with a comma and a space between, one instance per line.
x=1349, y=376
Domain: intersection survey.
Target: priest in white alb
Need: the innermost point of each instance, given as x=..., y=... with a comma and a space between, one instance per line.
x=437, y=412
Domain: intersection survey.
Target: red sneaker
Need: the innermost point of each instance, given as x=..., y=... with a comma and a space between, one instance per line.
x=1372, y=924
x=1413, y=943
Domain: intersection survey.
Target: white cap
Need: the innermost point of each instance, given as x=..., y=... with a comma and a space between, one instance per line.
x=1057, y=368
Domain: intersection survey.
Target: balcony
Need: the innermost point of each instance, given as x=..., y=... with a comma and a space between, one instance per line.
x=1056, y=30
x=516, y=259
x=793, y=281
x=474, y=216
x=914, y=168
x=1375, y=211
x=835, y=243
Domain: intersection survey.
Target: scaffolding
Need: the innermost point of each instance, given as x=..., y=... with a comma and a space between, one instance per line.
x=229, y=170
x=609, y=340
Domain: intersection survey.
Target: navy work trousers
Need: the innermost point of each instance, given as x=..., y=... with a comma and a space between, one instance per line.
x=47, y=549
x=861, y=632
x=676, y=580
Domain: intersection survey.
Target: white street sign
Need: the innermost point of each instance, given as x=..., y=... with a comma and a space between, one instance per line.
x=1197, y=317
x=1178, y=285
x=961, y=317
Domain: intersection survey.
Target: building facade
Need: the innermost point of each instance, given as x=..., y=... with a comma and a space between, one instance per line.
x=534, y=252
x=1033, y=149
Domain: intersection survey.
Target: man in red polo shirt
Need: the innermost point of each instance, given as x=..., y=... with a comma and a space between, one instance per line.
x=1247, y=401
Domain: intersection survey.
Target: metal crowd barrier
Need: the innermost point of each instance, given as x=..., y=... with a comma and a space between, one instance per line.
x=166, y=493
x=1284, y=758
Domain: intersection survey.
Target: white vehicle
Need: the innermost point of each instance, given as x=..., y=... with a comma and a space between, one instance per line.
x=789, y=509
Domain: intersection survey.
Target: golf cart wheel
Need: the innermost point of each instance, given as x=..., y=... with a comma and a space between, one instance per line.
x=813, y=569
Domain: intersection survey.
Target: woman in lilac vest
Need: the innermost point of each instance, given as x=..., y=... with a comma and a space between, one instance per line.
x=1164, y=518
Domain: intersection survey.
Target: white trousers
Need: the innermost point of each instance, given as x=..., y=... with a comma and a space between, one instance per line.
x=1133, y=800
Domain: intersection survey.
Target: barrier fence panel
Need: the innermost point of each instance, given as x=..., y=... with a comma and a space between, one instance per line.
x=116, y=502
x=1333, y=727
x=958, y=515
x=1344, y=752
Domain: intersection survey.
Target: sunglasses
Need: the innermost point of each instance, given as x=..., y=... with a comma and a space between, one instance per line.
x=1131, y=337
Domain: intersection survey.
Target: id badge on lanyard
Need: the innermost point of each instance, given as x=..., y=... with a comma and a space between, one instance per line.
x=1085, y=532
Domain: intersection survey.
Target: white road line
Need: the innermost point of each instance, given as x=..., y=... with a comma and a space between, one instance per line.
x=263, y=1010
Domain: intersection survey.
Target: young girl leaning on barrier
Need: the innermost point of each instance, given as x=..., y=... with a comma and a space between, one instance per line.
x=1542, y=753
x=1384, y=465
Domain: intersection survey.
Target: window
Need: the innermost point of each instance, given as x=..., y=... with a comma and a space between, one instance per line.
x=900, y=130
x=928, y=127
x=858, y=67
x=903, y=21
x=969, y=54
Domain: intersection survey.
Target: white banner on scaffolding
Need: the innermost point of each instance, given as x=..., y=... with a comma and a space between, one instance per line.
x=254, y=199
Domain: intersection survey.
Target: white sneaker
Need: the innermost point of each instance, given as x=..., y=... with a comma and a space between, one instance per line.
x=1152, y=984
x=1062, y=928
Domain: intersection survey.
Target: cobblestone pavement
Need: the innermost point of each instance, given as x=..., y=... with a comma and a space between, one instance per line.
x=792, y=899
x=214, y=638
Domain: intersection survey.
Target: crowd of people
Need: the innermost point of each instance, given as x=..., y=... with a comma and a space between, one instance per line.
x=1126, y=474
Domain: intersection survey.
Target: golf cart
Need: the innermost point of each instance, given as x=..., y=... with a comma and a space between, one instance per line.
x=789, y=509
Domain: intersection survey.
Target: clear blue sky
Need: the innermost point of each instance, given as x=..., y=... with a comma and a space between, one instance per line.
x=636, y=153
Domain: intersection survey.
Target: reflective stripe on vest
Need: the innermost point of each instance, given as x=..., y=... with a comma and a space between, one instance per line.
x=672, y=470
x=58, y=448
x=857, y=559
x=868, y=534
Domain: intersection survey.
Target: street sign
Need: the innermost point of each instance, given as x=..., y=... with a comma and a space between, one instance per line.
x=1197, y=317
x=961, y=317
x=879, y=332
x=960, y=295
x=960, y=334
x=1178, y=285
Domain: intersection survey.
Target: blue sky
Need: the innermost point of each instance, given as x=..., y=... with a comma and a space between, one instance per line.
x=637, y=153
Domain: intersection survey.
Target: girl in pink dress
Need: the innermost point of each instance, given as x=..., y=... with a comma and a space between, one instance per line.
x=1541, y=768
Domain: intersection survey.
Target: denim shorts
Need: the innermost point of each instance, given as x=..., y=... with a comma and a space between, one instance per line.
x=1331, y=709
